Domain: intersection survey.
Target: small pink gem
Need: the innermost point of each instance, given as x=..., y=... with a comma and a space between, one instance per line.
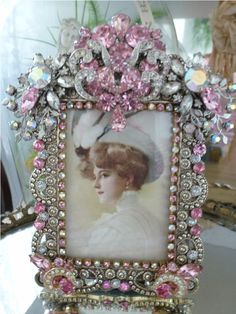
x=106, y=102
x=129, y=79
x=124, y=286
x=118, y=121
x=61, y=165
x=199, y=149
x=145, y=265
x=62, y=243
x=145, y=66
x=143, y=89
x=61, y=185
x=87, y=263
x=196, y=230
x=106, y=264
x=171, y=237
x=158, y=44
x=172, y=267
x=105, y=79
x=160, y=107
x=38, y=163
x=58, y=262
x=156, y=34
x=176, y=139
x=172, y=218
x=124, y=305
x=38, y=145
x=104, y=34
x=139, y=106
x=79, y=105
x=199, y=167
x=126, y=264
x=175, y=159
x=173, y=179
x=137, y=33
x=39, y=208
x=165, y=290
x=62, y=125
x=61, y=145
x=189, y=271
x=61, y=224
x=39, y=225
x=29, y=99
x=196, y=213
x=211, y=99
x=173, y=198
x=66, y=285
x=121, y=23
x=171, y=256
x=106, y=285
x=62, y=204
x=40, y=262
x=63, y=106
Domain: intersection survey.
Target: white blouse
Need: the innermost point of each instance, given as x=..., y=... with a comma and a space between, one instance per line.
x=132, y=232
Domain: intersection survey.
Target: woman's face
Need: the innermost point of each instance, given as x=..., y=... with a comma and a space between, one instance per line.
x=109, y=185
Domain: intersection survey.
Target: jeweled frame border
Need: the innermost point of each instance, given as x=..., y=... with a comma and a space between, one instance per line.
x=53, y=226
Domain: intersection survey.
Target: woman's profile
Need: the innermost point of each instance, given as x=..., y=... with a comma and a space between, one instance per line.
x=119, y=164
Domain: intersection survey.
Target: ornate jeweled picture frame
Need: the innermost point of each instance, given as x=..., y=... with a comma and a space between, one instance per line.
x=118, y=93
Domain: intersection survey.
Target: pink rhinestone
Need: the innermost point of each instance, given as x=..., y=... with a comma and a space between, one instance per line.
x=106, y=102
x=199, y=149
x=172, y=218
x=62, y=125
x=172, y=267
x=118, y=121
x=61, y=224
x=87, y=263
x=63, y=106
x=195, y=230
x=91, y=65
x=196, y=213
x=106, y=264
x=39, y=225
x=121, y=23
x=61, y=145
x=158, y=44
x=106, y=285
x=40, y=262
x=38, y=163
x=173, y=198
x=176, y=139
x=137, y=33
x=171, y=256
x=126, y=264
x=164, y=291
x=62, y=243
x=124, y=286
x=189, y=271
x=156, y=34
x=38, y=145
x=199, y=167
x=62, y=204
x=173, y=179
x=104, y=34
x=143, y=89
x=145, y=265
x=124, y=305
x=175, y=159
x=79, y=105
x=211, y=99
x=129, y=79
x=120, y=52
x=58, y=262
x=29, y=99
x=66, y=285
x=160, y=107
x=61, y=165
x=39, y=208
x=171, y=237
x=61, y=185
x=106, y=79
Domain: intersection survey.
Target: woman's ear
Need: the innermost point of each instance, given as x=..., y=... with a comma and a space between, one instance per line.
x=130, y=180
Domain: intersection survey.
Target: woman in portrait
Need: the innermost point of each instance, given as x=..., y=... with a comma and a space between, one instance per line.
x=119, y=164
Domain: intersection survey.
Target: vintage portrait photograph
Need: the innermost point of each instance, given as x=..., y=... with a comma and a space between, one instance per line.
x=117, y=186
